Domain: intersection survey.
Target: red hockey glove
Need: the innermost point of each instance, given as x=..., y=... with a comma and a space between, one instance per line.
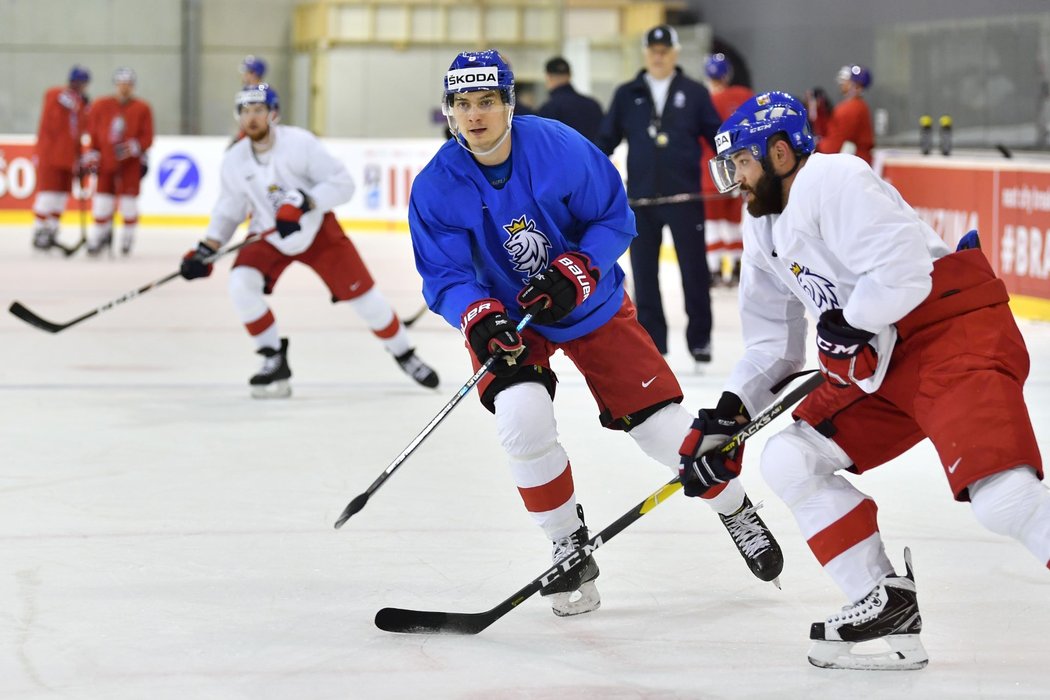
x=193, y=265
x=491, y=334
x=702, y=464
x=843, y=352
x=291, y=208
x=552, y=294
x=87, y=164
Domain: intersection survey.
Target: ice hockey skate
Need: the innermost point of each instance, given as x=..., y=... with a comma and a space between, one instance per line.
x=417, y=369
x=574, y=593
x=44, y=238
x=127, y=240
x=755, y=542
x=888, y=616
x=104, y=241
x=271, y=382
x=702, y=355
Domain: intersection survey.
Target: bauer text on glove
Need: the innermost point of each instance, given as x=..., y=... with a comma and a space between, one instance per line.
x=491, y=333
x=552, y=294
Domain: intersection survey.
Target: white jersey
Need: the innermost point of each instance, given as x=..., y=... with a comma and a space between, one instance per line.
x=846, y=239
x=255, y=184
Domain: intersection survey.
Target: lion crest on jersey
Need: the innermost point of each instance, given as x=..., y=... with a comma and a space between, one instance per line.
x=528, y=247
x=820, y=289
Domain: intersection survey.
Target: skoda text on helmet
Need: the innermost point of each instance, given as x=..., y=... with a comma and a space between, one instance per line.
x=474, y=71
x=751, y=127
x=718, y=67
x=260, y=94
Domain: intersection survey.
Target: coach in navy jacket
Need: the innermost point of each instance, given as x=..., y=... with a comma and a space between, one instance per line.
x=581, y=112
x=663, y=114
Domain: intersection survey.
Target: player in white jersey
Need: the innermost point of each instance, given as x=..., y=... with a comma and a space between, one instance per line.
x=915, y=341
x=288, y=183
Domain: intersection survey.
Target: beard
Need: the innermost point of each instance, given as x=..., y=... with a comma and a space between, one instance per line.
x=767, y=195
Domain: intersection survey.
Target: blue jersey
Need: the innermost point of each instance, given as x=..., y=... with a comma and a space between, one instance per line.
x=472, y=241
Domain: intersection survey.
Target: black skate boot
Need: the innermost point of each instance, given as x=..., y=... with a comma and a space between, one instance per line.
x=578, y=580
x=889, y=613
x=272, y=380
x=104, y=241
x=44, y=237
x=755, y=542
x=417, y=369
x=127, y=241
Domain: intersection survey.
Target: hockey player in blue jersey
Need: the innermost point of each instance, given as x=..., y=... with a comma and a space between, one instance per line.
x=532, y=220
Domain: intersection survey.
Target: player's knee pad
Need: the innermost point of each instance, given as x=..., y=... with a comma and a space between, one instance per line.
x=660, y=435
x=1007, y=502
x=525, y=421
x=373, y=308
x=798, y=461
x=129, y=209
x=102, y=206
x=49, y=203
x=246, y=286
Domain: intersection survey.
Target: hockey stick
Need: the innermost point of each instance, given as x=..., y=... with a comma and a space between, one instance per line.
x=415, y=317
x=431, y=622
x=33, y=319
x=361, y=499
x=82, y=197
x=677, y=199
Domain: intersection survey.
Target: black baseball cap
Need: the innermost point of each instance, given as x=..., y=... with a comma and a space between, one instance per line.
x=663, y=35
x=558, y=66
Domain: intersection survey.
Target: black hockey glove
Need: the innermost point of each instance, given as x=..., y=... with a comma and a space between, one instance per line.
x=843, y=352
x=490, y=333
x=552, y=294
x=702, y=465
x=193, y=265
x=292, y=207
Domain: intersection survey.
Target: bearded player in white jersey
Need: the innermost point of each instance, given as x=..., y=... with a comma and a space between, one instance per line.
x=288, y=183
x=915, y=341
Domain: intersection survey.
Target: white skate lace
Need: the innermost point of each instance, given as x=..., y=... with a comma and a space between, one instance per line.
x=271, y=364
x=415, y=368
x=866, y=608
x=750, y=537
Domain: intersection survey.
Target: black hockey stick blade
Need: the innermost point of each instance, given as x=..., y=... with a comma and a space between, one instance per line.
x=433, y=622
x=32, y=319
x=351, y=508
x=416, y=316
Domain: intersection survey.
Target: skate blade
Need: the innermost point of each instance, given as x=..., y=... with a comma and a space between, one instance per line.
x=583, y=600
x=280, y=389
x=776, y=582
x=905, y=653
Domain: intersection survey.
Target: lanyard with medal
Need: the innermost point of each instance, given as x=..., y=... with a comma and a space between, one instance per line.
x=655, y=120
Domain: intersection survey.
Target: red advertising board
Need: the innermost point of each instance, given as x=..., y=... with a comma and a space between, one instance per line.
x=1008, y=204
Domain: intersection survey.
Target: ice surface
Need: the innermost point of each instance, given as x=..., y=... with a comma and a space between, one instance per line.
x=163, y=535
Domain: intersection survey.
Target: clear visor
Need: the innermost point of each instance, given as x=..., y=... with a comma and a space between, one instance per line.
x=723, y=173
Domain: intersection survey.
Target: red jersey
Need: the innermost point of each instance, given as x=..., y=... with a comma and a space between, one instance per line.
x=726, y=102
x=61, y=126
x=850, y=121
x=112, y=123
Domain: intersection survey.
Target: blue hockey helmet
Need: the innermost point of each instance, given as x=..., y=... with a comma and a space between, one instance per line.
x=718, y=67
x=253, y=64
x=79, y=74
x=751, y=126
x=478, y=70
x=855, y=74
x=260, y=94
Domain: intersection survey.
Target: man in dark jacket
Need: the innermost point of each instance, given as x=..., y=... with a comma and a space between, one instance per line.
x=581, y=112
x=663, y=115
